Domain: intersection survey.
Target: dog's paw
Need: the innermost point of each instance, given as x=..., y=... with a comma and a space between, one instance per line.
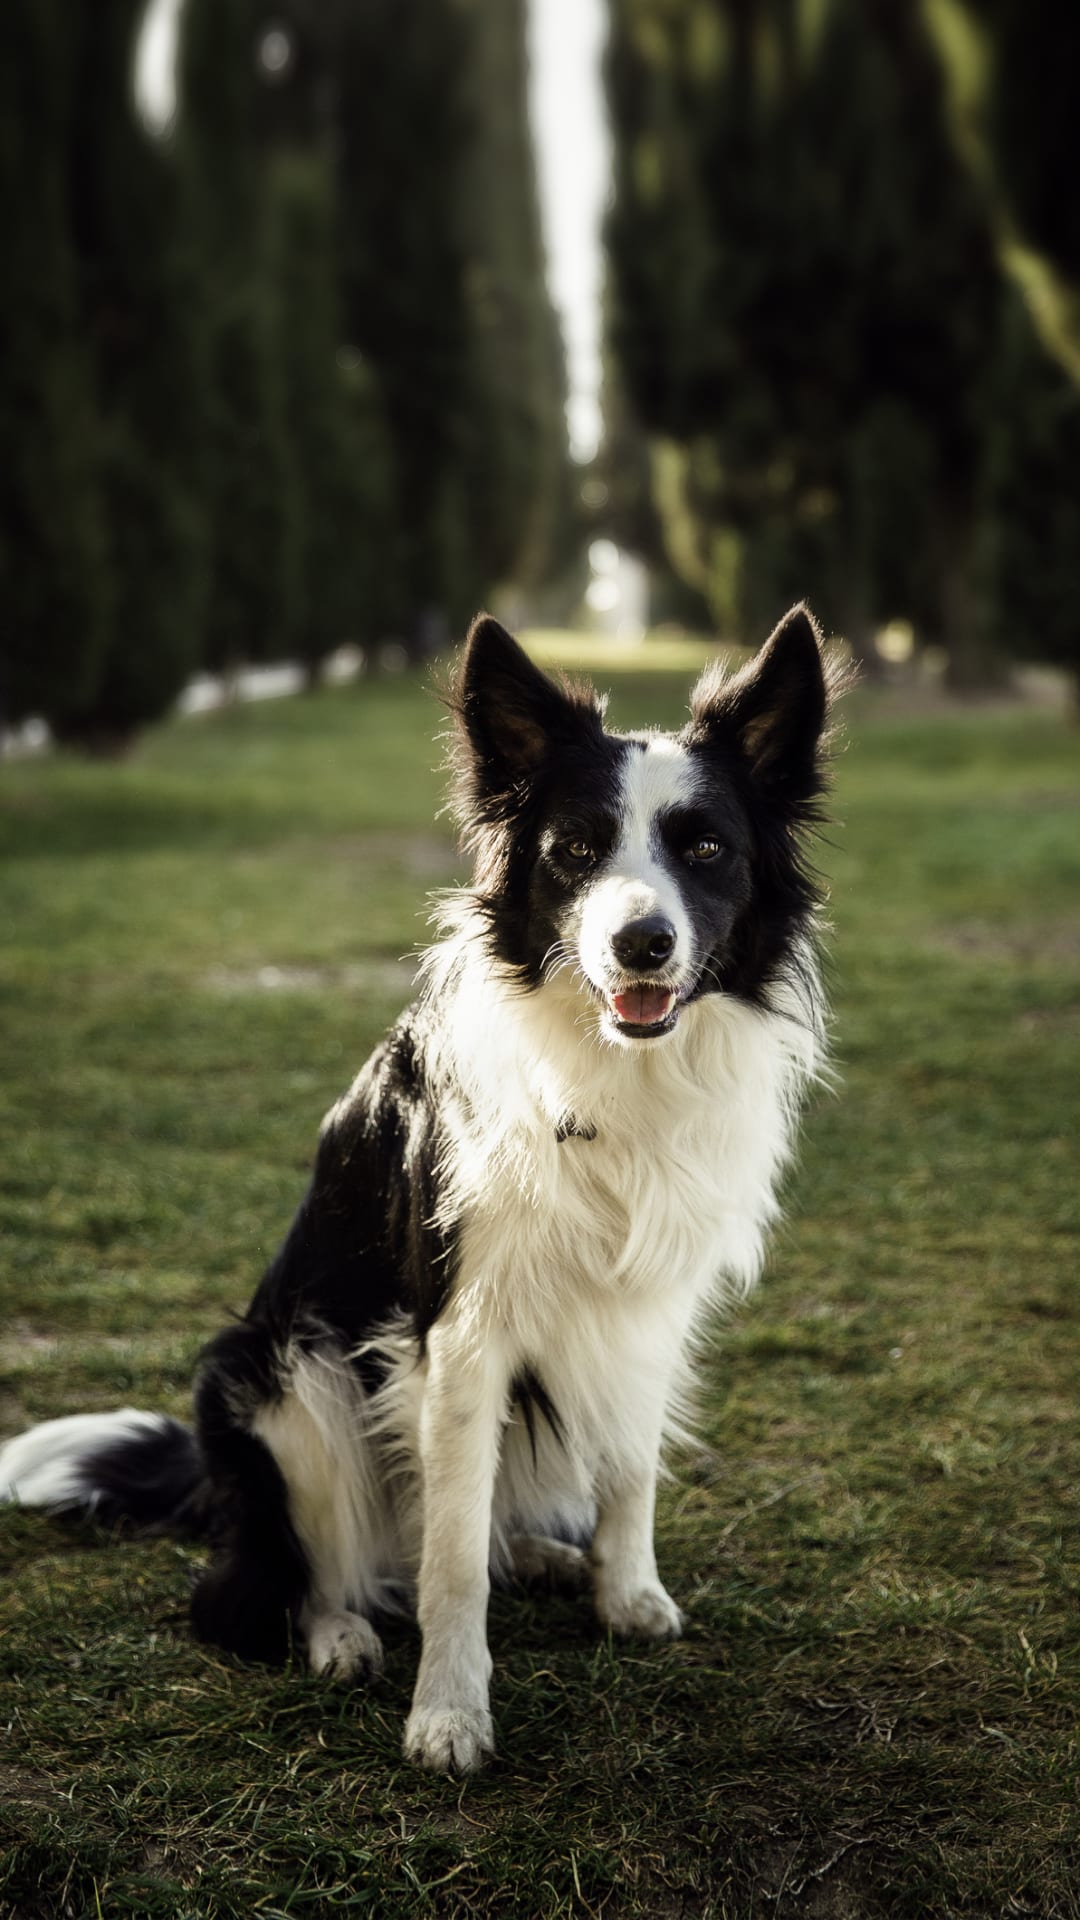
x=538, y=1561
x=449, y=1739
x=650, y=1613
x=343, y=1646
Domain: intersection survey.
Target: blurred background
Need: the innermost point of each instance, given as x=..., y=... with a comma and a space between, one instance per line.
x=328, y=321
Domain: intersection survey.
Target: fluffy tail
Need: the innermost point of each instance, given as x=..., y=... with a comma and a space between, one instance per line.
x=139, y=1468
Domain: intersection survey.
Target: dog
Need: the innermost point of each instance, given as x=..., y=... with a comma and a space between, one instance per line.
x=464, y=1361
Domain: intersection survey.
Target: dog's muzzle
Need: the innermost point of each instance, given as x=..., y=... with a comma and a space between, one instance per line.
x=644, y=1007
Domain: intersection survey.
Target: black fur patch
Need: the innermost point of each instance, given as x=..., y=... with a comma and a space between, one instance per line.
x=148, y=1479
x=530, y=1394
x=364, y=1249
x=760, y=736
x=250, y=1597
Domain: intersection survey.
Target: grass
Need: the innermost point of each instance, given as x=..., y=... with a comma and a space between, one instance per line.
x=875, y=1709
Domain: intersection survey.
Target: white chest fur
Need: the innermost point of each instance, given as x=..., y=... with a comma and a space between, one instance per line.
x=584, y=1174
x=603, y=1198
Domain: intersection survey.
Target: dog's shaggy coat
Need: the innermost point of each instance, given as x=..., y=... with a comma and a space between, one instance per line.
x=465, y=1358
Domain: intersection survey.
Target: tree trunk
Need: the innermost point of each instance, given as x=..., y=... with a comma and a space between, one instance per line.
x=972, y=665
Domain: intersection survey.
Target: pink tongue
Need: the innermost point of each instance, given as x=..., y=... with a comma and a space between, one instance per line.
x=643, y=1006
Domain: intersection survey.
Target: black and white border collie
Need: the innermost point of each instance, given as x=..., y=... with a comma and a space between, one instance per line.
x=463, y=1362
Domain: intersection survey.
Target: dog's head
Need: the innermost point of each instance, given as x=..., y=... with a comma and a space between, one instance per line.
x=654, y=867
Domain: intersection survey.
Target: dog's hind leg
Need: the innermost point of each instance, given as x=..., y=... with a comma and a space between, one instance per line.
x=340, y=1645
x=250, y=1597
x=315, y=1433
x=291, y=1506
x=536, y=1560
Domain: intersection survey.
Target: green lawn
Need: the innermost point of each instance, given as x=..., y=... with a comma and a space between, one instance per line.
x=875, y=1709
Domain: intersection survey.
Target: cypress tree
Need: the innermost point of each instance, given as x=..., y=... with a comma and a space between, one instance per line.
x=140, y=318
x=54, y=584
x=403, y=134
x=804, y=293
x=620, y=504
x=337, y=450
x=1012, y=66
x=252, y=607
x=422, y=104
x=1030, y=533
x=517, y=471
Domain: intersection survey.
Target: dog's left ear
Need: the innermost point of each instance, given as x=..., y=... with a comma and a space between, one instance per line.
x=774, y=709
x=513, y=717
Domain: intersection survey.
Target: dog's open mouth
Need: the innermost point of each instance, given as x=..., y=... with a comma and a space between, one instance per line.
x=644, y=1010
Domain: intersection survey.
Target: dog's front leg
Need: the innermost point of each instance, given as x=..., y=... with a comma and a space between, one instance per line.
x=628, y=1591
x=449, y=1726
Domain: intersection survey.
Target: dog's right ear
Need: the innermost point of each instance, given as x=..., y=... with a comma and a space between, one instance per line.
x=513, y=718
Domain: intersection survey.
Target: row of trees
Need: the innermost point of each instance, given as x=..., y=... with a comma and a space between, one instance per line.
x=823, y=319
x=286, y=378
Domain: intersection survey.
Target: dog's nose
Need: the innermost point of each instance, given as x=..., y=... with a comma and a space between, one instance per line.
x=643, y=944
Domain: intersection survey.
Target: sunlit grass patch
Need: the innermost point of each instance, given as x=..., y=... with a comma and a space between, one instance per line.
x=603, y=654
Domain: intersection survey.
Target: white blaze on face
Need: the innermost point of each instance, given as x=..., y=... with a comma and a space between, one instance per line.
x=634, y=882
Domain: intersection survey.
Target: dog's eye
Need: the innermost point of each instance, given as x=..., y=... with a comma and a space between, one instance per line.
x=578, y=850
x=704, y=849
